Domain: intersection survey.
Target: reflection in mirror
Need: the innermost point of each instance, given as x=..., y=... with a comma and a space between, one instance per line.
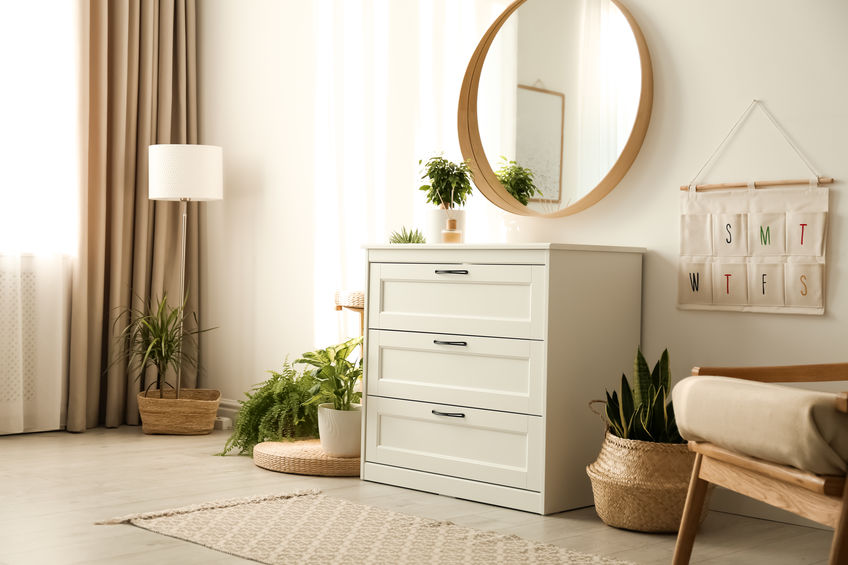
x=539, y=119
x=560, y=89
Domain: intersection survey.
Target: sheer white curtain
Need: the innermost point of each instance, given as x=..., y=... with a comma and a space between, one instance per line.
x=388, y=75
x=38, y=209
x=609, y=73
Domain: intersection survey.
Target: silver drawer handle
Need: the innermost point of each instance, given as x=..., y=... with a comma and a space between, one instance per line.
x=457, y=343
x=451, y=271
x=448, y=414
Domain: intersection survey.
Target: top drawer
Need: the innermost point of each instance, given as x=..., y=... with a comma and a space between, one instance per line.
x=487, y=300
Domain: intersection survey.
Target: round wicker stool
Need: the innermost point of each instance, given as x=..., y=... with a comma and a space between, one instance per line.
x=303, y=458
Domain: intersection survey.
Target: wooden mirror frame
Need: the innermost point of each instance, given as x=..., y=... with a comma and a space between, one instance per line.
x=471, y=144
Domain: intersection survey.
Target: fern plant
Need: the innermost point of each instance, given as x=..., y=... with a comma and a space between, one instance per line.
x=517, y=180
x=407, y=236
x=450, y=183
x=644, y=411
x=275, y=410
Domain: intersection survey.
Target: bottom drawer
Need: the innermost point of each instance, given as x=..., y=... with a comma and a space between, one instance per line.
x=482, y=445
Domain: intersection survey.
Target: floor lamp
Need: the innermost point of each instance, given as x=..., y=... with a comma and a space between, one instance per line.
x=184, y=173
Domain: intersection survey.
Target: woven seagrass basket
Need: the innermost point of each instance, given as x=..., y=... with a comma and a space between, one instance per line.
x=641, y=485
x=193, y=413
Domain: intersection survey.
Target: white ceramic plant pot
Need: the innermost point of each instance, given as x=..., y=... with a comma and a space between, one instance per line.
x=437, y=220
x=340, y=430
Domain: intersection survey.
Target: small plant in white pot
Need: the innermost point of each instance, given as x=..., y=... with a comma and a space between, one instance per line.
x=449, y=186
x=339, y=421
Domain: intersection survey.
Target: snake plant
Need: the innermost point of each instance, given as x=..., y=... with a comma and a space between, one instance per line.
x=644, y=411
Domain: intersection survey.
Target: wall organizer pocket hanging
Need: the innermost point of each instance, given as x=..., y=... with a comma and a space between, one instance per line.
x=753, y=250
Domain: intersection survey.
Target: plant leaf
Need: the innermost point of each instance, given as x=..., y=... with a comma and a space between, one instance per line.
x=642, y=378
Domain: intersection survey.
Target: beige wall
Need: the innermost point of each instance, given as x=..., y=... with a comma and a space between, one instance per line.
x=255, y=77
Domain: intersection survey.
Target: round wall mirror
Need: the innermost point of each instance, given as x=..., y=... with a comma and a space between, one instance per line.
x=562, y=89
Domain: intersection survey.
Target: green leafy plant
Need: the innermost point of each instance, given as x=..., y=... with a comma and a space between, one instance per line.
x=644, y=411
x=335, y=374
x=450, y=183
x=517, y=180
x=407, y=236
x=157, y=335
x=275, y=410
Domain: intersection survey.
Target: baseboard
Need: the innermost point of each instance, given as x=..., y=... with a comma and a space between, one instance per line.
x=228, y=408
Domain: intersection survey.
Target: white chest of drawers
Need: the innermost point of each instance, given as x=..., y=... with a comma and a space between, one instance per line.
x=481, y=361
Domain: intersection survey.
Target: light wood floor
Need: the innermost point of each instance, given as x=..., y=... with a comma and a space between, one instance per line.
x=54, y=486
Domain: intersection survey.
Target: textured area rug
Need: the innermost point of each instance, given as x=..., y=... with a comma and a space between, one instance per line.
x=308, y=527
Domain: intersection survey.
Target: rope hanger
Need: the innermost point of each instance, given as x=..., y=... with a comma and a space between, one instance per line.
x=814, y=180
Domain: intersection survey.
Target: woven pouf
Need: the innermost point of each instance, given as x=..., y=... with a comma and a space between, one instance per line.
x=640, y=485
x=350, y=298
x=303, y=458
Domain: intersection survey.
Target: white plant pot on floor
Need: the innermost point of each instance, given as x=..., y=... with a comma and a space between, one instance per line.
x=340, y=430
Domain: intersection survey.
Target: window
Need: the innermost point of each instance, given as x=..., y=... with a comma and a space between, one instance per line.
x=39, y=102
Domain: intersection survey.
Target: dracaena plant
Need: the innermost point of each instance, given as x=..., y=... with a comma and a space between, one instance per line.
x=157, y=335
x=335, y=374
x=644, y=411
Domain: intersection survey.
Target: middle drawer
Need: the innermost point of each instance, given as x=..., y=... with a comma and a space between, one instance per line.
x=481, y=372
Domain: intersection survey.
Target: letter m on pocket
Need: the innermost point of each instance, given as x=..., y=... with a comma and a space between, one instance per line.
x=765, y=235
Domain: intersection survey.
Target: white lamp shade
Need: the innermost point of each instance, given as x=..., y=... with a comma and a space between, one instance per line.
x=192, y=172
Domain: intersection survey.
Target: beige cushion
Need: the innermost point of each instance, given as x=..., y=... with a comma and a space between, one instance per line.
x=781, y=424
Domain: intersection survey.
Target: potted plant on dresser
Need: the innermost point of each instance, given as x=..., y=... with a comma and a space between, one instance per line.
x=155, y=337
x=642, y=473
x=449, y=186
x=339, y=421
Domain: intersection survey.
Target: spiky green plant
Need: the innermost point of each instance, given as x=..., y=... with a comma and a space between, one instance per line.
x=407, y=236
x=157, y=335
x=644, y=411
x=275, y=410
x=450, y=183
x=336, y=375
x=517, y=180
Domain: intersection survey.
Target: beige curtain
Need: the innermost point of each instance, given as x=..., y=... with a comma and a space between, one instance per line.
x=138, y=80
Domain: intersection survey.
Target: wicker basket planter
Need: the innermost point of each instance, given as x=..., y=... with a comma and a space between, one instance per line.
x=193, y=413
x=640, y=485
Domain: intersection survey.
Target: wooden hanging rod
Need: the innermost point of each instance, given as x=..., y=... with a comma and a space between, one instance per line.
x=757, y=184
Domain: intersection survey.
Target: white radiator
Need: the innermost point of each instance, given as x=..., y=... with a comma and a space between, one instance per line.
x=34, y=319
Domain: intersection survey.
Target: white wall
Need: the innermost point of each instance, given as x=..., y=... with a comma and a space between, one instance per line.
x=255, y=85
x=710, y=58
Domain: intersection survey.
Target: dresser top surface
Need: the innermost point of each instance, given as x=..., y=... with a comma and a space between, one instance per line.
x=504, y=247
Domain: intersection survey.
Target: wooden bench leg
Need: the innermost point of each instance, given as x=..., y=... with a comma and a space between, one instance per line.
x=839, y=546
x=695, y=498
